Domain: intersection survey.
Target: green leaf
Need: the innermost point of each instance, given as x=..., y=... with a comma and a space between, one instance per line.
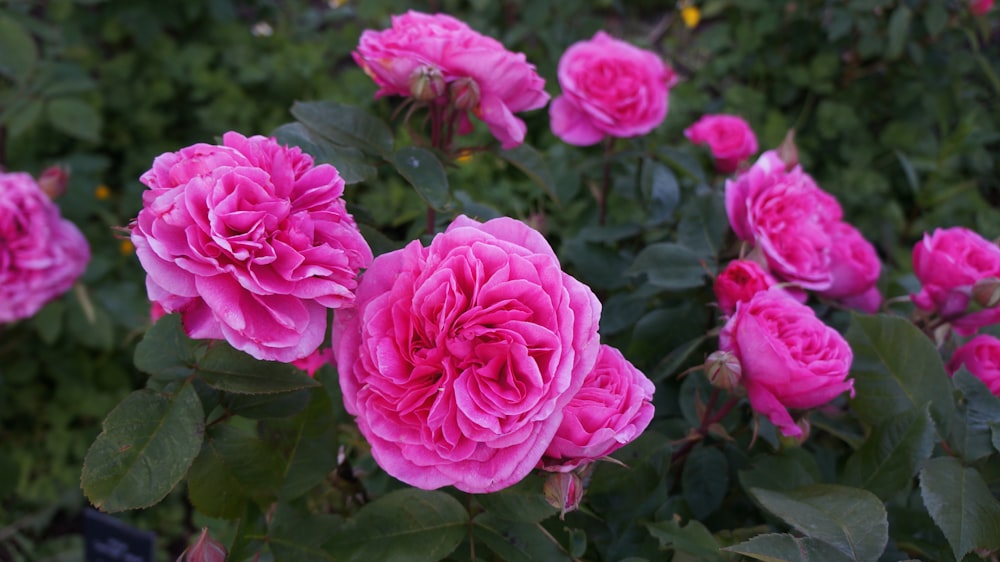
x=891, y=456
x=995, y=428
x=261, y=406
x=296, y=537
x=346, y=125
x=896, y=369
x=703, y=224
x=936, y=17
x=660, y=190
x=18, y=52
x=899, y=29
x=787, y=470
x=425, y=173
x=705, y=480
x=909, y=171
x=48, y=321
x=525, y=158
x=307, y=442
x=23, y=120
x=670, y=266
x=351, y=163
x=961, y=505
x=522, y=502
x=233, y=466
x=165, y=351
x=404, y=525
x=786, y=548
x=75, y=117
x=694, y=539
x=231, y=370
x=147, y=444
x=852, y=520
x=970, y=431
x=516, y=541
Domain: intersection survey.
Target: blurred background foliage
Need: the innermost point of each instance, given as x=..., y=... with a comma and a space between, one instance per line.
x=893, y=103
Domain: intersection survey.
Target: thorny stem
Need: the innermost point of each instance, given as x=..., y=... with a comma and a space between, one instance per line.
x=702, y=430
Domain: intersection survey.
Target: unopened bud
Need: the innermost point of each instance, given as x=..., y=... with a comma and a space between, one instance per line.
x=792, y=441
x=563, y=491
x=205, y=549
x=53, y=181
x=986, y=292
x=788, y=151
x=465, y=94
x=723, y=370
x=426, y=83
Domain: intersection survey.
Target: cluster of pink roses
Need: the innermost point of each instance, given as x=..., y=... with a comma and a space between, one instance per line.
x=41, y=253
x=729, y=138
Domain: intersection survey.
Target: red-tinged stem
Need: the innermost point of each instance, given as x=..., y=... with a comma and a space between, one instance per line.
x=710, y=418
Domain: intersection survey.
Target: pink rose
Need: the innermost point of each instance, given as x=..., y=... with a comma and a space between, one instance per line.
x=948, y=262
x=610, y=88
x=789, y=217
x=41, y=253
x=739, y=282
x=314, y=361
x=980, y=7
x=729, y=137
x=460, y=357
x=611, y=409
x=854, y=264
x=981, y=356
x=250, y=242
x=436, y=57
x=790, y=358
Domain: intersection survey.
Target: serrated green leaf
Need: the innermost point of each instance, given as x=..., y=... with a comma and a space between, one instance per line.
x=896, y=369
x=694, y=539
x=425, y=173
x=970, y=429
x=891, y=456
x=296, y=537
x=18, y=52
x=147, y=444
x=786, y=548
x=404, y=525
x=21, y=121
x=525, y=158
x=308, y=443
x=703, y=224
x=670, y=266
x=790, y=469
x=899, y=30
x=705, y=480
x=961, y=505
x=231, y=370
x=516, y=541
x=351, y=163
x=522, y=502
x=660, y=191
x=75, y=117
x=346, y=125
x=165, y=351
x=852, y=520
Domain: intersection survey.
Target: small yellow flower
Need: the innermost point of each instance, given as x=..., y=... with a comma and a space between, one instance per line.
x=126, y=248
x=102, y=192
x=464, y=156
x=691, y=16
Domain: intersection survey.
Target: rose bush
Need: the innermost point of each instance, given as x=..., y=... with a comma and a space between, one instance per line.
x=443, y=57
x=250, y=242
x=611, y=409
x=459, y=358
x=790, y=359
x=609, y=88
x=41, y=253
x=729, y=137
x=981, y=356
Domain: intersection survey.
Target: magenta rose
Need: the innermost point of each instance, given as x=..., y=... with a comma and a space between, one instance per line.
x=609, y=88
x=729, y=137
x=980, y=7
x=739, y=282
x=789, y=357
x=41, y=253
x=948, y=262
x=788, y=217
x=981, y=356
x=250, y=242
x=854, y=264
x=460, y=357
x=611, y=409
x=436, y=57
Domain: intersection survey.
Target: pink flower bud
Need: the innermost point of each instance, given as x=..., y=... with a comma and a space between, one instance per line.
x=723, y=370
x=788, y=151
x=564, y=491
x=53, y=181
x=205, y=549
x=986, y=292
x=792, y=441
x=426, y=83
x=465, y=94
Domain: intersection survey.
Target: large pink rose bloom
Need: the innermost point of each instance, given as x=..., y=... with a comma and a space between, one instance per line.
x=41, y=254
x=739, y=282
x=948, y=262
x=250, y=242
x=609, y=88
x=854, y=268
x=611, y=409
x=729, y=137
x=789, y=217
x=458, y=62
x=981, y=356
x=790, y=358
x=460, y=357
